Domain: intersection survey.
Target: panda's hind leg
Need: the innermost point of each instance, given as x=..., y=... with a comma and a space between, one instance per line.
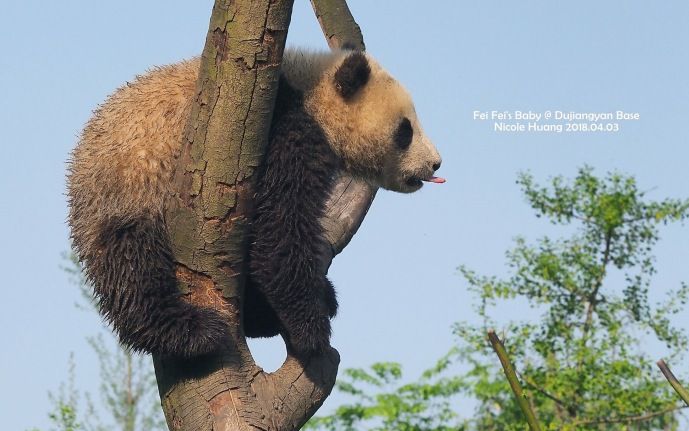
x=136, y=289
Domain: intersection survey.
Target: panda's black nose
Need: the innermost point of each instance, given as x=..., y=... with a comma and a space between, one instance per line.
x=436, y=166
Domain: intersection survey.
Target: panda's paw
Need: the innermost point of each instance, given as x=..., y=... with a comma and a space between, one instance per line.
x=311, y=337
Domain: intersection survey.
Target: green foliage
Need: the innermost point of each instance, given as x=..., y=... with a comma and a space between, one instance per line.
x=128, y=393
x=582, y=363
x=422, y=405
x=128, y=388
x=65, y=404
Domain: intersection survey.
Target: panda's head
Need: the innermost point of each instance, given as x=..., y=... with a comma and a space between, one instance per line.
x=371, y=123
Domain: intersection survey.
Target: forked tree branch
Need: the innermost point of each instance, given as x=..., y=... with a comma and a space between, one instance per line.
x=208, y=217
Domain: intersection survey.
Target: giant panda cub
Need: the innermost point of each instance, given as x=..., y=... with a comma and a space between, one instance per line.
x=334, y=111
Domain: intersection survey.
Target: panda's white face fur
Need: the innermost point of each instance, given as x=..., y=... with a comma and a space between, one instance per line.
x=368, y=117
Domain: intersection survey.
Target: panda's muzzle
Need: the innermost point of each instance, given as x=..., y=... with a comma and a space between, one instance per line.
x=414, y=182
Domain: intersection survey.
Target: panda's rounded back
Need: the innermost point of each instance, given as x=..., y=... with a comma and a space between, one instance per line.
x=123, y=161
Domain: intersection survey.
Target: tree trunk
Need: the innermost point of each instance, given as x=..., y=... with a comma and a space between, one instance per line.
x=207, y=219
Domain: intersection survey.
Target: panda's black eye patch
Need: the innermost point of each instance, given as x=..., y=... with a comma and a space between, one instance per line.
x=404, y=134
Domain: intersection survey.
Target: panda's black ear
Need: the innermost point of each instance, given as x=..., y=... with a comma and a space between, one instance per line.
x=352, y=75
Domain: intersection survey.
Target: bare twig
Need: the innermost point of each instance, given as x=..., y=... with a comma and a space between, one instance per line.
x=528, y=382
x=629, y=419
x=676, y=385
x=513, y=380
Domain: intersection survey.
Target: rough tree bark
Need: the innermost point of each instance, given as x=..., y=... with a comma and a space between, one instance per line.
x=207, y=220
x=351, y=198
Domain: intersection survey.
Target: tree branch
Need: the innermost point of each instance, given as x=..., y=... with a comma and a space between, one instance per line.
x=628, y=419
x=545, y=393
x=351, y=198
x=338, y=24
x=676, y=385
x=513, y=381
x=592, y=302
x=590, y=309
x=207, y=219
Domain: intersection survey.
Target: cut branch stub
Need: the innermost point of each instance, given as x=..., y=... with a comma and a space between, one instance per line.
x=338, y=24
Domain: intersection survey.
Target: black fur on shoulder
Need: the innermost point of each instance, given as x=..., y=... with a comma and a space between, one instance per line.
x=288, y=291
x=136, y=290
x=352, y=74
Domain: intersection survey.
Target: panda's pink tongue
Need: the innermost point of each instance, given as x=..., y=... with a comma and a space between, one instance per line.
x=437, y=180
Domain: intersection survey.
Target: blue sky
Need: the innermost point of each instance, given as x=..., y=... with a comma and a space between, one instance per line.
x=399, y=292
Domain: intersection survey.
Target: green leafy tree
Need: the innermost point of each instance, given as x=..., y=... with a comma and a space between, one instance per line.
x=63, y=416
x=422, y=405
x=581, y=361
x=128, y=396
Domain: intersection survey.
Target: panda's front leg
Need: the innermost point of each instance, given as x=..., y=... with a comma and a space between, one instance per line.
x=305, y=314
x=298, y=298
